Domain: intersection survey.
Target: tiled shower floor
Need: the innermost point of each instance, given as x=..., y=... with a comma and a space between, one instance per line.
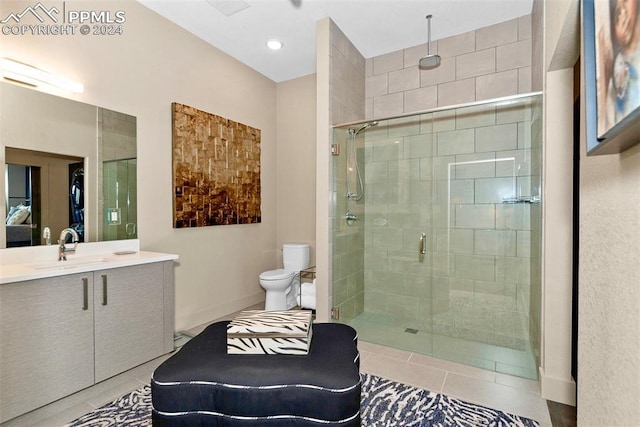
x=447, y=337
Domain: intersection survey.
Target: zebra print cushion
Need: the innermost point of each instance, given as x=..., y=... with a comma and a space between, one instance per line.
x=270, y=332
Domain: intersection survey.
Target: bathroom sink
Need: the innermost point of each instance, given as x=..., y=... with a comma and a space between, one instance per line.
x=63, y=265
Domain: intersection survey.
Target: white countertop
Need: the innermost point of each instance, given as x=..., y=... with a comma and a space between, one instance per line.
x=88, y=257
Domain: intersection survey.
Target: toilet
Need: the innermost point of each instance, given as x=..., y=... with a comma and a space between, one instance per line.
x=282, y=285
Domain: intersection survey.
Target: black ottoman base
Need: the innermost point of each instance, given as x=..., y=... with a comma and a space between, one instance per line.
x=194, y=419
x=203, y=385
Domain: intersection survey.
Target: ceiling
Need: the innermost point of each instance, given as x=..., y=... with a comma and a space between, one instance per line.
x=241, y=28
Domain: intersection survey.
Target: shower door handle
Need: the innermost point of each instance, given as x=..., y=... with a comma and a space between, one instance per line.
x=423, y=243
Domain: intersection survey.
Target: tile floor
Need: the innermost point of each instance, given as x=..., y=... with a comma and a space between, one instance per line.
x=446, y=344
x=512, y=394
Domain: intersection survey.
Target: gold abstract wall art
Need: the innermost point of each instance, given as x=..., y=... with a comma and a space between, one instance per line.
x=216, y=170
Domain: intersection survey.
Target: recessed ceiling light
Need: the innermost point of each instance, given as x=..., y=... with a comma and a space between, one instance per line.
x=274, y=44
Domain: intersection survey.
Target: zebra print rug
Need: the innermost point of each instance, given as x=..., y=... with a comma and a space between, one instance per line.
x=385, y=403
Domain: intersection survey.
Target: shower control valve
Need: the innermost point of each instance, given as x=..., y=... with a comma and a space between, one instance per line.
x=350, y=217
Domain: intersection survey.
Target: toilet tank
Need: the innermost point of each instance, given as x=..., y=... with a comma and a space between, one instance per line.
x=295, y=256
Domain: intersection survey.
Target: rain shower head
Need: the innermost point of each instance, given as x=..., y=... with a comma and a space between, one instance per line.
x=430, y=61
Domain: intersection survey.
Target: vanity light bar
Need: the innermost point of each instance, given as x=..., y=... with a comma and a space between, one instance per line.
x=32, y=76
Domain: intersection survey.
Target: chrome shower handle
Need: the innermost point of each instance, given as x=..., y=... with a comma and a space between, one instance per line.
x=423, y=243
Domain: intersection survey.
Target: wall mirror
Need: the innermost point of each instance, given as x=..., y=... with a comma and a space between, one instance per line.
x=65, y=164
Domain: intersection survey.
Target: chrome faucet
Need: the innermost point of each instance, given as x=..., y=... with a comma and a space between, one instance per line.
x=63, y=249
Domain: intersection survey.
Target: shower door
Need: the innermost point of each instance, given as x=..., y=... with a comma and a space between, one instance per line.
x=384, y=261
x=441, y=255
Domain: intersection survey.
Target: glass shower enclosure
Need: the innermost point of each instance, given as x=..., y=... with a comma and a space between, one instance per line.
x=120, y=199
x=436, y=232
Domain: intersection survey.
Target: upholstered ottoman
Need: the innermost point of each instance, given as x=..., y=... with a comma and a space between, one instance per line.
x=202, y=385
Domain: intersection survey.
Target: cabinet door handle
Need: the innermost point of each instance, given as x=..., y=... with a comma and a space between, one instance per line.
x=85, y=293
x=104, y=289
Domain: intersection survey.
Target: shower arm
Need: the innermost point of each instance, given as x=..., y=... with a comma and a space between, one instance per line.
x=429, y=34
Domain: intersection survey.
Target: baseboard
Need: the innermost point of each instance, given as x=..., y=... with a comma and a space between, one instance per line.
x=557, y=389
x=191, y=320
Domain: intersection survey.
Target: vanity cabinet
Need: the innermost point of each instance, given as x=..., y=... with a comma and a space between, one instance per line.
x=128, y=304
x=61, y=334
x=46, y=341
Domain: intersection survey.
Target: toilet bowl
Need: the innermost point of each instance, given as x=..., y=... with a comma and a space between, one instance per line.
x=282, y=286
x=277, y=283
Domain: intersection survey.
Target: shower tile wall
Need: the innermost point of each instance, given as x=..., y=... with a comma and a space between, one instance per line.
x=487, y=63
x=446, y=174
x=118, y=133
x=346, y=243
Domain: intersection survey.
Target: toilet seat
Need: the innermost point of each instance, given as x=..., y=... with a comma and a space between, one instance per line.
x=278, y=274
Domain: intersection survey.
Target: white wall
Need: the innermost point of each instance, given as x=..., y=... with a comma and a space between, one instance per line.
x=609, y=299
x=140, y=73
x=555, y=370
x=608, y=389
x=296, y=162
x=609, y=293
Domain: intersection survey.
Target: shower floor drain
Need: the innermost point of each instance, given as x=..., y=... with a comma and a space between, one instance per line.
x=411, y=331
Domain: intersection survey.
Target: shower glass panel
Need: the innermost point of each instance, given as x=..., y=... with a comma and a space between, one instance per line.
x=441, y=255
x=119, y=194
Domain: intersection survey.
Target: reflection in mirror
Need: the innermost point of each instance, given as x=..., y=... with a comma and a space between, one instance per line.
x=119, y=177
x=93, y=188
x=118, y=210
x=38, y=195
x=23, y=205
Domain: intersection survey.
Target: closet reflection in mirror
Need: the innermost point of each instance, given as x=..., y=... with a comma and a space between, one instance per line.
x=38, y=194
x=66, y=164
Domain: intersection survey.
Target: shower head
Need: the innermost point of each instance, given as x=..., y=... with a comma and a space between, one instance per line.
x=430, y=61
x=355, y=131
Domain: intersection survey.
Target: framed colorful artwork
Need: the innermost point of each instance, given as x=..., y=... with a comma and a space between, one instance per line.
x=611, y=41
